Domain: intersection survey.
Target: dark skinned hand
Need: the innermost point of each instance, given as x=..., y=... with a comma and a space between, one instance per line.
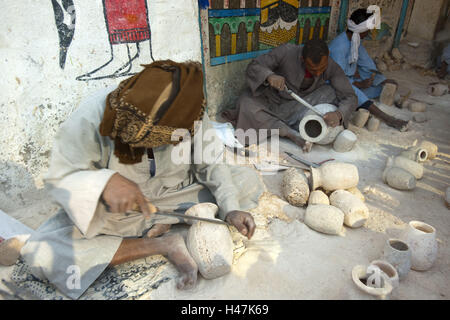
x=276, y=81
x=332, y=119
x=364, y=84
x=122, y=195
x=243, y=221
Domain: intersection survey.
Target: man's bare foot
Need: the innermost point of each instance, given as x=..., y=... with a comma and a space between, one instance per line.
x=157, y=230
x=398, y=124
x=179, y=255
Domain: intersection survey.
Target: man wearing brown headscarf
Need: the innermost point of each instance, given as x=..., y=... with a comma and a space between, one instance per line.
x=117, y=155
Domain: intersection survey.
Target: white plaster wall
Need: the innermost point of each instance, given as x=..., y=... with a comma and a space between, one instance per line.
x=36, y=95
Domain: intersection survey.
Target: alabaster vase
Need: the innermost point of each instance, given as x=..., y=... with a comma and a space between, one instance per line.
x=334, y=175
x=398, y=254
x=413, y=167
x=355, y=211
x=324, y=218
x=209, y=244
x=295, y=187
x=421, y=238
x=313, y=128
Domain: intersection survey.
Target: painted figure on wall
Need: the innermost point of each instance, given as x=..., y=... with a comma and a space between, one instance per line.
x=128, y=27
x=63, y=8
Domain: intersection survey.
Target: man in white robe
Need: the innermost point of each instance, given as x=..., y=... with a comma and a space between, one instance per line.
x=96, y=191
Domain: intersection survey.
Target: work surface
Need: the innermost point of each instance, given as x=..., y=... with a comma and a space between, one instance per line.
x=286, y=259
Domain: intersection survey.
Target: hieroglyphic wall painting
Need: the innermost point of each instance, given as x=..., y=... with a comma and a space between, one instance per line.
x=244, y=29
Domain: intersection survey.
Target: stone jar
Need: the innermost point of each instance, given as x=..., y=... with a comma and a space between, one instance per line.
x=398, y=178
x=421, y=238
x=295, y=187
x=437, y=89
x=209, y=244
x=417, y=154
x=397, y=253
x=334, y=175
x=416, y=169
x=360, y=277
x=324, y=218
x=345, y=141
x=355, y=211
x=313, y=128
x=373, y=124
x=318, y=197
x=417, y=107
x=389, y=270
x=430, y=147
x=360, y=117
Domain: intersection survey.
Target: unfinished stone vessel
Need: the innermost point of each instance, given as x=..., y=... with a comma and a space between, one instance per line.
x=345, y=141
x=417, y=107
x=416, y=169
x=313, y=128
x=373, y=124
x=430, y=147
x=334, y=175
x=355, y=211
x=387, y=96
x=389, y=270
x=360, y=277
x=437, y=89
x=360, y=118
x=295, y=187
x=417, y=154
x=210, y=244
x=398, y=178
x=421, y=238
x=318, y=197
x=324, y=218
x=397, y=253
x=355, y=191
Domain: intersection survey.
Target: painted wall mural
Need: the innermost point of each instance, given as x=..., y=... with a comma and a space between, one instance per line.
x=127, y=25
x=244, y=29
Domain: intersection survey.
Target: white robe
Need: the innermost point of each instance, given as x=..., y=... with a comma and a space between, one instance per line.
x=82, y=238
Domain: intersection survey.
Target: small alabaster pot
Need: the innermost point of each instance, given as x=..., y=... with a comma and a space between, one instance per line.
x=209, y=244
x=398, y=254
x=360, y=277
x=421, y=238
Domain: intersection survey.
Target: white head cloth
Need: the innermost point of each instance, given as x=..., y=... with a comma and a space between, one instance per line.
x=364, y=26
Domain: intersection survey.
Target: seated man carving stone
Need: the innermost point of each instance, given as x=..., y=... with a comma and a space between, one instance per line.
x=115, y=153
x=306, y=70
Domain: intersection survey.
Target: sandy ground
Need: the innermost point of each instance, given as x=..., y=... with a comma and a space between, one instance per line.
x=288, y=260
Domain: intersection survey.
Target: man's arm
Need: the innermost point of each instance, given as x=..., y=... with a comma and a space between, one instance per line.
x=348, y=101
x=78, y=167
x=262, y=67
x=216, y=176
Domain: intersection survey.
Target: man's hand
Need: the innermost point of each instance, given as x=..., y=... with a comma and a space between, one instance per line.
x=276, y=81
x=364, y=84
x=332, y=119
x=121, y=194
x=243, y=221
